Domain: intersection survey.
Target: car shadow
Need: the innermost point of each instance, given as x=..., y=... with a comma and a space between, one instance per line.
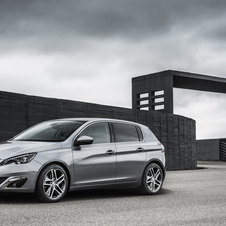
x=14, y=198
x=107, y=193
x=25, y=198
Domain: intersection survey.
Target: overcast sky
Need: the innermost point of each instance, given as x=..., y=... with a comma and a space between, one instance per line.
x=88, y=50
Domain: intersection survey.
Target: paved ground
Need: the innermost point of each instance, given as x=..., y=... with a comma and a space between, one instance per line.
x=196, y=197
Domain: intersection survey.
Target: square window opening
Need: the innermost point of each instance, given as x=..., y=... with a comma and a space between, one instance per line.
x=143, y=95
x=159, y=92
x=143, y=102
x=158, y=100
x=145, y=108
x=159, y=107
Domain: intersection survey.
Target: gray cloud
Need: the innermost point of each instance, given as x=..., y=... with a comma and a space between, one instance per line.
x=51, y=24
x=89, y=50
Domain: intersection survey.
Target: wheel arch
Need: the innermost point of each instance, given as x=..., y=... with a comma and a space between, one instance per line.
x=64, y=166
x=156, y=161
x=143, y=187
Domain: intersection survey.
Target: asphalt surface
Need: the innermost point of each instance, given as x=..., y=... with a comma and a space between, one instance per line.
x=190, y=197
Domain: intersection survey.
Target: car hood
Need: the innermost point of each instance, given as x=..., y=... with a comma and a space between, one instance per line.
x=13, y=148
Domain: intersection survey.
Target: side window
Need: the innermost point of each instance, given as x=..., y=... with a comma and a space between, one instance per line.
x=125, y=132
x=99, y=132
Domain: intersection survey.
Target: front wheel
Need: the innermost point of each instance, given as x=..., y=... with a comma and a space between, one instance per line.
x=152, y=179
x=52, y=184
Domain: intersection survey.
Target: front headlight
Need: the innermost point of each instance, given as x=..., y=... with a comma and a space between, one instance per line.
x=19, y=159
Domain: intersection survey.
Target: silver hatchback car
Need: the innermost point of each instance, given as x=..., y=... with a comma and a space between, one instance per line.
x=62, y=155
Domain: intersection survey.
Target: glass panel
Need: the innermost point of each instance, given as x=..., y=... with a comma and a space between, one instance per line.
x=99, y=132
x=144, y=102
x=125, y=132
x=145, y=108
x=159, y=107
x=143, y=95
x=157, y=100
x=140, y=133
x=160, y=92
x=50, y=131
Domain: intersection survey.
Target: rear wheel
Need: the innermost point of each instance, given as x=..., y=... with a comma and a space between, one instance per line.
x=152, y=179
x=52, y=184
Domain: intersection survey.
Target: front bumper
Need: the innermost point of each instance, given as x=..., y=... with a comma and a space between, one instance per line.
x=19, y=178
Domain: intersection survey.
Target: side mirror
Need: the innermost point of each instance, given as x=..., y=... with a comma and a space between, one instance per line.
x=83, y=140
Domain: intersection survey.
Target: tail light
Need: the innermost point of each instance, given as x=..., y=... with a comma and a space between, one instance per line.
x=162, y=147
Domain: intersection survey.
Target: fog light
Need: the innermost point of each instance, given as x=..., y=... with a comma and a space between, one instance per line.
x=14, y=182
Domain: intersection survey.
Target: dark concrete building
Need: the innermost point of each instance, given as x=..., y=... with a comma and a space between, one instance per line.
x=177, y=133
x=155, y=91
x=211, y=149
x=152, y=97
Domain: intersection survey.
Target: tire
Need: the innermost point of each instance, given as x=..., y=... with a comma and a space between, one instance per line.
x=152, y=180
x=52, y=184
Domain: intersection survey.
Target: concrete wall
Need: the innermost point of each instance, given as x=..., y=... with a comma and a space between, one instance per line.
x=208, y=150
x=177, y=133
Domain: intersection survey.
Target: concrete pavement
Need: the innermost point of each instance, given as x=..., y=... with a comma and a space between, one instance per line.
x=189, y=197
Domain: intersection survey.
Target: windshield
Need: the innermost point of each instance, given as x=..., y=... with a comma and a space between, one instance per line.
x=50, y=131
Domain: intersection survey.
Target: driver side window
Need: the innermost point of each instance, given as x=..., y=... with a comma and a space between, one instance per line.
x=99, y=132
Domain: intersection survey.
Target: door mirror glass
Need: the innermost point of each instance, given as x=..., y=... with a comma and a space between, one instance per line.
x=83, y=140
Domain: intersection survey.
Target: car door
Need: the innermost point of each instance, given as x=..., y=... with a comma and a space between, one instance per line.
x=131, y=153
x=95, y=163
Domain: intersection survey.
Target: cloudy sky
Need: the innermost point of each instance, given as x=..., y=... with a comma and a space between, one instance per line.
x=88, y=50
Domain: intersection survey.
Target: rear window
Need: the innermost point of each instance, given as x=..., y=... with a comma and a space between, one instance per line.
x=126, y=132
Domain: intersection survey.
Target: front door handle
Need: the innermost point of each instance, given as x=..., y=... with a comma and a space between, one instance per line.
x=140, y=149
x=110, y=152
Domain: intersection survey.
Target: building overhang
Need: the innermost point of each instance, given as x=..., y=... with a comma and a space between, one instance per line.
x=185, y=80
x=146, y=88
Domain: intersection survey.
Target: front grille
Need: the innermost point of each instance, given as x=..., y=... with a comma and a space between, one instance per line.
x=2, y=179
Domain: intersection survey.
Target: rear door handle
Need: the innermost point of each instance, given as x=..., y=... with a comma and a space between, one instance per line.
x=140, y=149
x=109, y=152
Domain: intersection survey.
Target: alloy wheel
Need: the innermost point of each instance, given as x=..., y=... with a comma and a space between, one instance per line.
x=54, y=184
x=154, y=178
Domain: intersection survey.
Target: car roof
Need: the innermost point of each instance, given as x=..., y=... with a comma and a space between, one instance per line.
x=96, y=120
